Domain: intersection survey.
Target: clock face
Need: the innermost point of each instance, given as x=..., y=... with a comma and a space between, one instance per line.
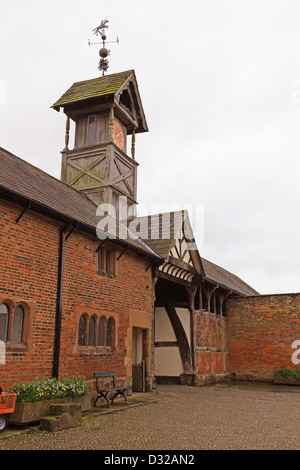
x=118, y=135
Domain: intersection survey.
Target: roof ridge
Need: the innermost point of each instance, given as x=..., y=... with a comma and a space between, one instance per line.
x=228, y=272
x=105, y=76
x=86, y=89
x=157, y=214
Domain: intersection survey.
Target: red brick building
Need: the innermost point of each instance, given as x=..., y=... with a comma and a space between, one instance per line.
x=82, y=292
x=74, y=315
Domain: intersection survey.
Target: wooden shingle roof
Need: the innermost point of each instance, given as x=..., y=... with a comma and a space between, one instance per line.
x=161, y=246
x=93, y=88
x=158, y=230
x=108, y=88
x=225, y=278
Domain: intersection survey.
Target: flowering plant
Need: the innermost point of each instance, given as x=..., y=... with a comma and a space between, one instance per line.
x=287, y=373
x=47, y=389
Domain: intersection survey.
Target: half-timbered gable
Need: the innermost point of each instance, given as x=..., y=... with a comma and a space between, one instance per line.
x=190, y=292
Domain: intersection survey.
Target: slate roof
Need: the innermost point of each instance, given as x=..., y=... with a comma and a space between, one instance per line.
x=24, y=181
x=96, y=87
x=50, y=195
x=159, y=230
x=225, y=278
x=161, y=246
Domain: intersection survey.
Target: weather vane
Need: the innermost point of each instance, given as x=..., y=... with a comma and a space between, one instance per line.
x=103, y=52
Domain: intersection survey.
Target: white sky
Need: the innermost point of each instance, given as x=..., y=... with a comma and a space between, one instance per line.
x=220, y=85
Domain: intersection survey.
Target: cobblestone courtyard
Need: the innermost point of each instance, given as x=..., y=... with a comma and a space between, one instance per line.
x=237, y=416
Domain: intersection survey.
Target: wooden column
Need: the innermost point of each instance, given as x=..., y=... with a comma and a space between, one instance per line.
x=184, y=347
x=111, y=123
x=67, y=136
x=133, y=144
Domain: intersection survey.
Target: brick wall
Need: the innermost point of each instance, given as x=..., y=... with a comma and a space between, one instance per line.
x=86, y=290
x=211, y=343
x=28, y=267
x=261, y=330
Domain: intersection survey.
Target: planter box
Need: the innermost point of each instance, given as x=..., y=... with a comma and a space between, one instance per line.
x=287, y=380
x=26, y=413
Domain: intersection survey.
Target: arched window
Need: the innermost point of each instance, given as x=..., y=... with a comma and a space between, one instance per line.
x=110, y=333
x=101, y=331
x=82, y=331
x=18, y=322
x=4, y=317
x=92, y=330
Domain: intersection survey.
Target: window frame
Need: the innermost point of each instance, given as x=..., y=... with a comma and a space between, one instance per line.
x=106, y=262
x=92, y=334
x=79, y=335
x=7, y=315
x=111, y=338
x=26, y=326
x=100, y=317
x=20, y=331
x=102, y=320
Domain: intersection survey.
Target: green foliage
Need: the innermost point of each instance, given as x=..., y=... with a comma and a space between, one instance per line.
x=48, y=389
x=287, y=373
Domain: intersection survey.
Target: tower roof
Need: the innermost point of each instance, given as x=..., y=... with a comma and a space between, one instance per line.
x=110, y=86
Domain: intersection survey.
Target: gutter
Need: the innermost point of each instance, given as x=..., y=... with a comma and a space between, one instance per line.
x=70, y=224
x=41, y=208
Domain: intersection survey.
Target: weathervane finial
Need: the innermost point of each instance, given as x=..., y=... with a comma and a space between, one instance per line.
x=104, y=52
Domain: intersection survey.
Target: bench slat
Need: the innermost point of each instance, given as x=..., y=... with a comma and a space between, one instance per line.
x=112, y=389
x=105, y=391
x=105, y=374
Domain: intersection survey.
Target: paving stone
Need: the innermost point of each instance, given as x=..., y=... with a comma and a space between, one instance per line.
x=235, y=416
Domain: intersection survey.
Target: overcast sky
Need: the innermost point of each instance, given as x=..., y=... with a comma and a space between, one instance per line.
x=220, y=86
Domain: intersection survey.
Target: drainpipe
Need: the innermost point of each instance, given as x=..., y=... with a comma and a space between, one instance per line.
x=58, y=318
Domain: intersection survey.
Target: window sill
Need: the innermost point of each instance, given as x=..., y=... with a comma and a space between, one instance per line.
x=15, y=347
x=95, y=350
x=104, y=274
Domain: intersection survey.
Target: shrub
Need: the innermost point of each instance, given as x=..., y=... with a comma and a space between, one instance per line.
x=48, y=389
x=287, y=373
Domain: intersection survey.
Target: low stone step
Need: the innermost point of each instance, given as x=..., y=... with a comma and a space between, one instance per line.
x=63, y=416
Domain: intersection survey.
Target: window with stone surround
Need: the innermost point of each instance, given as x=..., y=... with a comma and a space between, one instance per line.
x=96, y=331
x=15, y=322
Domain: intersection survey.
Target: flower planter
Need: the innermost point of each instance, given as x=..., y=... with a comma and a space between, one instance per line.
x=26, y=413
x=290, y=380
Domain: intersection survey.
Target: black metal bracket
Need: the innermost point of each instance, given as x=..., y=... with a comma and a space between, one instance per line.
x=100, y=246
x=122, y=253
x=22, y=213
x=71, y=231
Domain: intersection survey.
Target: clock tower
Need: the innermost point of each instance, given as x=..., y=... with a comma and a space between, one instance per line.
x=106, y=111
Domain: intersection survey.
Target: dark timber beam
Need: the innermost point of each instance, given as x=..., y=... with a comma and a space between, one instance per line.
x=184, y=348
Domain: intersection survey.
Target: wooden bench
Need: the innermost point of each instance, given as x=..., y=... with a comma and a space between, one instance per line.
x=104, y=392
